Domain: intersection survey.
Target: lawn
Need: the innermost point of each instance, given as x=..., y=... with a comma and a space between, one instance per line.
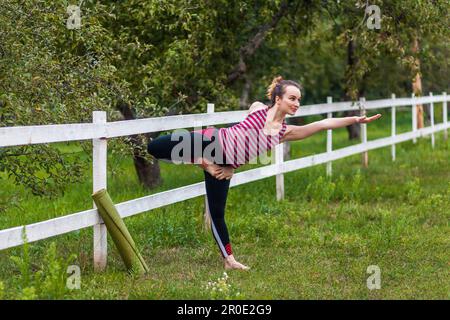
x=317, y=243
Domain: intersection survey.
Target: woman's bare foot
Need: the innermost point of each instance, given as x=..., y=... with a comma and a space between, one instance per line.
x=231, y=263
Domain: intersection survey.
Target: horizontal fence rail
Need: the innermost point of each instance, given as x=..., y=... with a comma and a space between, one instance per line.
x=15, y=136
x=56, y=133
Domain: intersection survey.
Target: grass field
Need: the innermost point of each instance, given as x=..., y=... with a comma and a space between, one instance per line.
x=315, y=244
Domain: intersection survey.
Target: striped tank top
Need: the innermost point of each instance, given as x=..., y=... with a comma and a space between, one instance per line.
x=246, y=140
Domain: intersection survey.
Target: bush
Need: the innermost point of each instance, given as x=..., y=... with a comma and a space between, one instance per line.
x=321, y=190
x=413, y=191
x=356, y=187
x=47, y=283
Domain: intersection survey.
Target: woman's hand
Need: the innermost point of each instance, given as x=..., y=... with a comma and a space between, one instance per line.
x=226, y=173
x=217, y=171
x=213, y=169
x=364, y=119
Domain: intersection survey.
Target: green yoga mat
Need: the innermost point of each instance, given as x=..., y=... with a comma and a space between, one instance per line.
x=119, y=232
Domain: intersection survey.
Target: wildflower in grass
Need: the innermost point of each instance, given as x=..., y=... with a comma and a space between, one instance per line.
x=221, y=289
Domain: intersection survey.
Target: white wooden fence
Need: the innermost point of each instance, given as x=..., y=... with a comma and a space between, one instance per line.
x=101, y=130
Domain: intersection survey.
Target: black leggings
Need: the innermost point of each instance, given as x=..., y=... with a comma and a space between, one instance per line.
x=216, y=190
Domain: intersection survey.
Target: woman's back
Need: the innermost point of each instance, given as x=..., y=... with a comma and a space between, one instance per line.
x=247, y=140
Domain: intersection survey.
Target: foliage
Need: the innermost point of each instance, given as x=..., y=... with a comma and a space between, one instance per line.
x=320, y=190
x=50, y=74
x=48, y=282
x=402, y=22
x=172, y=57
x=413, y=191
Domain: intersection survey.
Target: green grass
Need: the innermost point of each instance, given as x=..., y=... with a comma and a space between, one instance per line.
x=315, y=244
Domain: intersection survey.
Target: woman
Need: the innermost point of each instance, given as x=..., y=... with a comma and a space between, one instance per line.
x=262, y=129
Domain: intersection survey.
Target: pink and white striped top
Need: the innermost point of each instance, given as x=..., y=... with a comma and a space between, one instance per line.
x=246, y=140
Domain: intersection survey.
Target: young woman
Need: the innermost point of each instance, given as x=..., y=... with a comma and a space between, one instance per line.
x=262, y=129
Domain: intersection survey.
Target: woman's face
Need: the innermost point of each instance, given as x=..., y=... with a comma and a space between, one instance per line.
x=291, y=100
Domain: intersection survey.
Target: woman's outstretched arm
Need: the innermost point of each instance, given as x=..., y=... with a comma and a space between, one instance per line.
x=302, y=132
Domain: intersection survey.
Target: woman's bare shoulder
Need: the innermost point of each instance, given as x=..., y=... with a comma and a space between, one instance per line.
x=256, y=106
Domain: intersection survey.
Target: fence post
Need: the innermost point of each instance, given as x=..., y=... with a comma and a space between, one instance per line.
x=206, y=216
x=365, y=155
x=414, y=116
x=444, y=114
x=99, y=153
x=279, y=159
x=432, y=120
x=393, y=129
x=329, y=139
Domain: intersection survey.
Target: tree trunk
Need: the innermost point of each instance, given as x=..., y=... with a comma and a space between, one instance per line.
x=417, y=83
x=354, y=129
x=243, y=101
x=149, y=174
x=253, y=44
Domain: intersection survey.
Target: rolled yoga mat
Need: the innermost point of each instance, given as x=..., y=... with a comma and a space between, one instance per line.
x=119, y=232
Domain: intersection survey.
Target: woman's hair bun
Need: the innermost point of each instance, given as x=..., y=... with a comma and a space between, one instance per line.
x=271, y=88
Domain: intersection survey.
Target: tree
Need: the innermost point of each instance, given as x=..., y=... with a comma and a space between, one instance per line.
x=138, y=59
x=402, y=24
x=50, y=74
x=132, y=59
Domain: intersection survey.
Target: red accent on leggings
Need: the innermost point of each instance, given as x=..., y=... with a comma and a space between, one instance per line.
x=208, y=132
x=228, y=249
